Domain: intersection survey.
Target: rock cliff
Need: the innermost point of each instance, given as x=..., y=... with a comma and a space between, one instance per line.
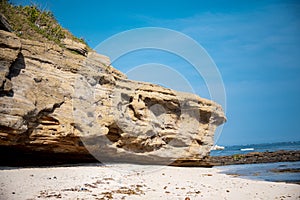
x=53, y=100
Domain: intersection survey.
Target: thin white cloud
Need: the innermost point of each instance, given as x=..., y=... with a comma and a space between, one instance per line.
x=255, y=38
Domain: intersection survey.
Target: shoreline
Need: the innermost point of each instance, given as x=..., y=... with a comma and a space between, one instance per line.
x=21, y=158
x=288, y=172
x=129, y=181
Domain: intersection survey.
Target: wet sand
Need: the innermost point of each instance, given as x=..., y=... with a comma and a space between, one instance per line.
x=128, y=181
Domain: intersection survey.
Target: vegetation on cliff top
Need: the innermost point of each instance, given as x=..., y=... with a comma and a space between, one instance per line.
x=31, y=22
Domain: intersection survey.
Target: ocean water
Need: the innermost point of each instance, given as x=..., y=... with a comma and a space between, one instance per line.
x=231, y=150
x=277, y=172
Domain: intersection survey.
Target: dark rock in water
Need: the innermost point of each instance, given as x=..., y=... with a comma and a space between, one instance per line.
x=250, y=158
x=288, y=170
x=255, y=157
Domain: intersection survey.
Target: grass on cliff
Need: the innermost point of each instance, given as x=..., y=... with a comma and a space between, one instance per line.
x=31, y=22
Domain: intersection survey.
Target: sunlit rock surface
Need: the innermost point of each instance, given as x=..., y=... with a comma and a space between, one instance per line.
x=53, y=100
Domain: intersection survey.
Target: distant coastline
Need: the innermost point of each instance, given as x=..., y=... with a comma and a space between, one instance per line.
x=256, y=153
x=256, y=157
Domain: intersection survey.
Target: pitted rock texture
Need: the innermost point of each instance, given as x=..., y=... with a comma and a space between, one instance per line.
x=55, y=101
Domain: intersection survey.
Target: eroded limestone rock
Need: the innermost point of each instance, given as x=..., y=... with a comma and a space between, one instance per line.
x=75, y=46
x=52, y=100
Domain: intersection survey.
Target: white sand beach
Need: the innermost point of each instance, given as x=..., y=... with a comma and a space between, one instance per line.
x=127, y=181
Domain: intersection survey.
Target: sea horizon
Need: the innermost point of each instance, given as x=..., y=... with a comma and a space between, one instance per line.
x=260, y=147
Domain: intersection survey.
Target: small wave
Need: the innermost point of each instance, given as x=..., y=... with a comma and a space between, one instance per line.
x=247, y=149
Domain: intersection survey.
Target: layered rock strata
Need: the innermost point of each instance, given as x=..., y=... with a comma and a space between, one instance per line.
x=53, y=100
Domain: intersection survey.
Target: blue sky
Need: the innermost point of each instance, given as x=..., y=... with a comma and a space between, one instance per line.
x=255, y=45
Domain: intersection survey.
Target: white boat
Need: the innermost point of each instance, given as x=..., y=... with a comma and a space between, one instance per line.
x=247, y=149
x=217, y=147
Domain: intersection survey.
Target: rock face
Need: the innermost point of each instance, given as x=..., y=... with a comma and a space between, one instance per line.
x=55, y=101
x=75, y=46
x=4, y=25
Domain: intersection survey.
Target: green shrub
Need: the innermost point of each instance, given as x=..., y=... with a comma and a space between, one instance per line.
x=31, y=22
x=32, y=12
